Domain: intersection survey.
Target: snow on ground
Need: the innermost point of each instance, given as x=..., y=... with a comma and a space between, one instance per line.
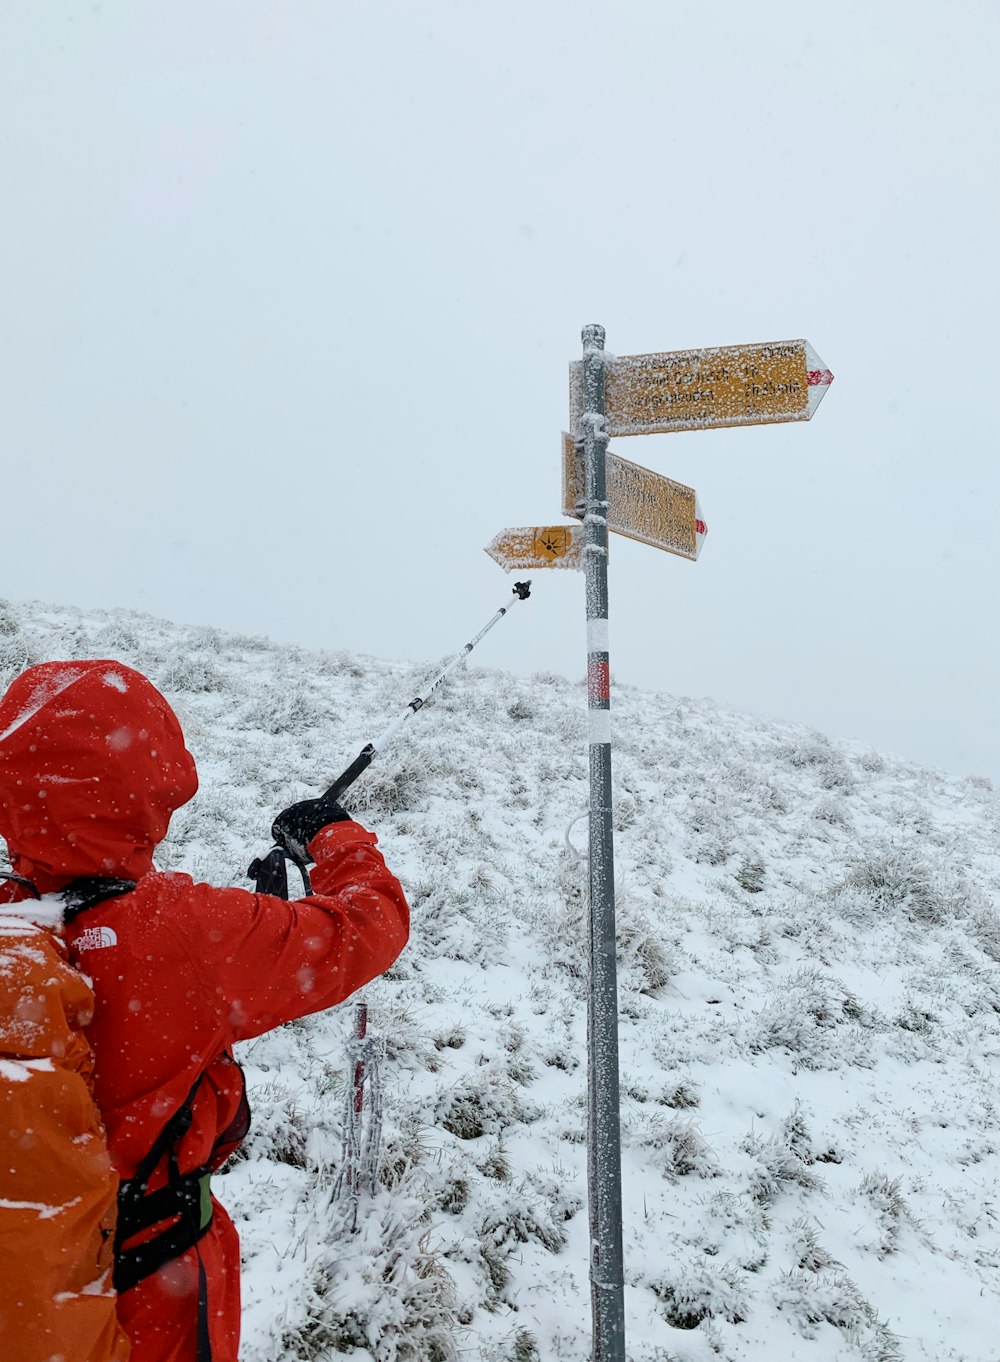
x=809, y=960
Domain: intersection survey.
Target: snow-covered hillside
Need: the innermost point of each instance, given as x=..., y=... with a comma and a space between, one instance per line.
x=809, y=985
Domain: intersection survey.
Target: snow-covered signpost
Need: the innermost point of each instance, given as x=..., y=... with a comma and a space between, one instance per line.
x=731, y=385
x=604, y=1174
x=639, y=395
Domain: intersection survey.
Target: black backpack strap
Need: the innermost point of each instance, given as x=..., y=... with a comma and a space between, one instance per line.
x=191, y=1203
x=132, y=1192
x=203, y=1344
x=184, y=1195
x=90, y=890
x=19, y=879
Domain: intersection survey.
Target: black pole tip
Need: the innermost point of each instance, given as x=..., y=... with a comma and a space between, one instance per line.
x=522, y=590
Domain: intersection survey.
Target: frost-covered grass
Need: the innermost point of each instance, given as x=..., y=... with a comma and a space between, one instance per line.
x=809, y=968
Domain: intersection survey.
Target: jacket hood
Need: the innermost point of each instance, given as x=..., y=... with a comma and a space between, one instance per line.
x=92, y=765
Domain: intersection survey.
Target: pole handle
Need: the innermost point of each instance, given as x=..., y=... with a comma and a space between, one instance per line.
x=347, y=777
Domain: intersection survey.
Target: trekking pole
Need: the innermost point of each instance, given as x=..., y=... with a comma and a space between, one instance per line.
x=270, y=872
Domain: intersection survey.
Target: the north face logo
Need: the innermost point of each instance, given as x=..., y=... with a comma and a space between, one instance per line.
x=95, y=938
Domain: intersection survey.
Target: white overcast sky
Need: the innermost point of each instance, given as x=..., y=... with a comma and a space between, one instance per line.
x=289, y=291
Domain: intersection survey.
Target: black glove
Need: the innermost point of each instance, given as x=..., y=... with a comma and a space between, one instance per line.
x=295, y=827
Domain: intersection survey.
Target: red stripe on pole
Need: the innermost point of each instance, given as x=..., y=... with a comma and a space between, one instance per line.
x=598, y=681
x=360, y=1031
x=819, y=378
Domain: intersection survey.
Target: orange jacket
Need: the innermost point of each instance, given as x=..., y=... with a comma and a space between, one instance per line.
x=92, y=764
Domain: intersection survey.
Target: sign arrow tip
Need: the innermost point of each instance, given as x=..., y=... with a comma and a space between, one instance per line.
x=819, y=377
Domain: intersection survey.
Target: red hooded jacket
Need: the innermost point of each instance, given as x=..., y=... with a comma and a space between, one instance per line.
x=92, y=765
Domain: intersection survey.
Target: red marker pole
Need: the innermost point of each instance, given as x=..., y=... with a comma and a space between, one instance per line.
x=604, y=1173
x=353, y=1170
x=360, y=1031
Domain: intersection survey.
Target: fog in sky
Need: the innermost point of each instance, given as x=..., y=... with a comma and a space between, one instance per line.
x=290, y=291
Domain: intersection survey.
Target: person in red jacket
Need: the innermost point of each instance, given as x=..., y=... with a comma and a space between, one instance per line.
x=92, y=766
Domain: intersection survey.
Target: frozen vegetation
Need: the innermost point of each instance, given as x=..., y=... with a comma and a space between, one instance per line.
x=809, y=954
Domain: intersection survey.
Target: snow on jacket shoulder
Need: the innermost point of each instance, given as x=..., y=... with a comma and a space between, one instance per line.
x=182, y=970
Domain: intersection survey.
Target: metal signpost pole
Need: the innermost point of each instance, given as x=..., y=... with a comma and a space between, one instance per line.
x=729, y=385
x=604, y=1141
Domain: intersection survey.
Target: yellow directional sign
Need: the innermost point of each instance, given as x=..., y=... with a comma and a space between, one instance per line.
x=729, y=385
x=641, y=504
x=558, y=546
